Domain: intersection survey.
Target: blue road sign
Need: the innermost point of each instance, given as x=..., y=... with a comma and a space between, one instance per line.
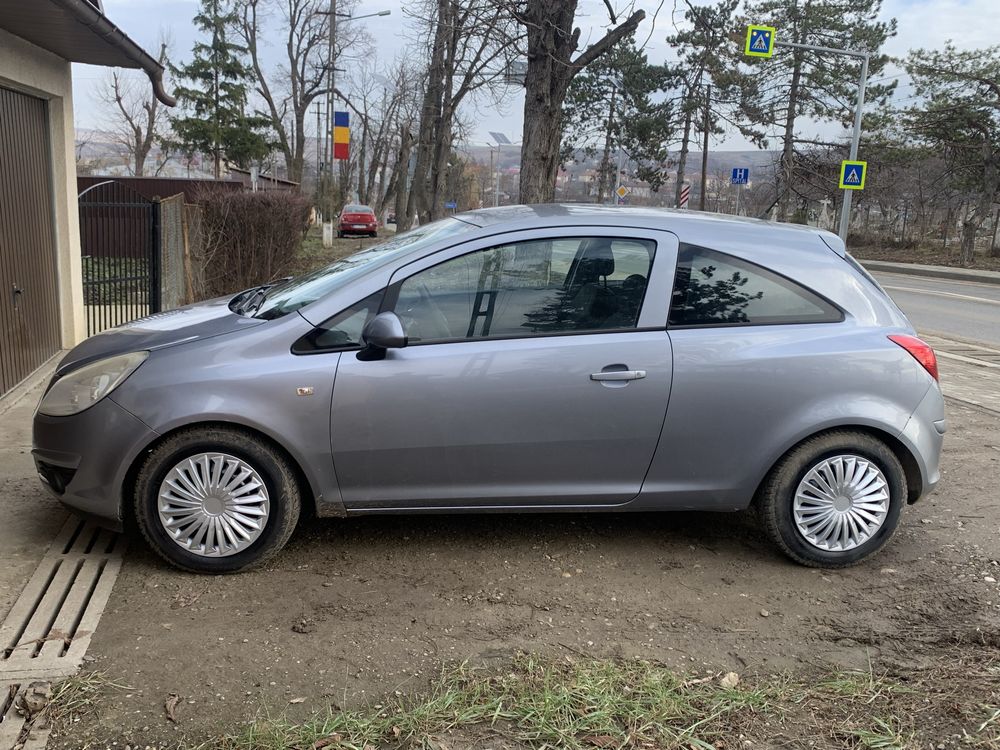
x=452, y=205
x=853, y=175
x=760, y=41
x=740, y=176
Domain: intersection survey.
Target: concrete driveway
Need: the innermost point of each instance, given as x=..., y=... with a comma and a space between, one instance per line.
x=30, y=515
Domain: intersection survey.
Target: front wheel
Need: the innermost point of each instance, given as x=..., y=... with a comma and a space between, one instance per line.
x=216, y=500
x=834, y=500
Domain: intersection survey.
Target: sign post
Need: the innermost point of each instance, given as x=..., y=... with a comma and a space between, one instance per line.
x=685, y=196
x=741, y=176
x=757, y=46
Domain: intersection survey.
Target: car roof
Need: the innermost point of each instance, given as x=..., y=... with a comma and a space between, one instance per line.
x=697, y=222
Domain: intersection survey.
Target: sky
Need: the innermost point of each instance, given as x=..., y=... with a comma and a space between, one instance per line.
x=970, y=24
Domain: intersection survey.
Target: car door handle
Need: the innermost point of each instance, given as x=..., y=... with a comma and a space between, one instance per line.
x=618, y=375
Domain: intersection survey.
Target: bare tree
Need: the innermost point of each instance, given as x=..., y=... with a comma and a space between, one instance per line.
x=290, y=88
x=137, y=120
x=551, y=44
x=468, y=44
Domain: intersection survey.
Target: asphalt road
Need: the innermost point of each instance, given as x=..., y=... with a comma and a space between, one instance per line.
x=959, y=309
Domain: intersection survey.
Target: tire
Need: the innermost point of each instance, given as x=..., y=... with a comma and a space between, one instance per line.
x=242, y=450
x=373, y=235
x=777, y=498
x=340, y=235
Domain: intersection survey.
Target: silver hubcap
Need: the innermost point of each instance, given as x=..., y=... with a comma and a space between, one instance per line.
x=841, y=503
x=213, y=504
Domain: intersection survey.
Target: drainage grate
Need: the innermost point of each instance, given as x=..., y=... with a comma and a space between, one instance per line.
x=11, y=722
x=16, y=731
x=47, y=631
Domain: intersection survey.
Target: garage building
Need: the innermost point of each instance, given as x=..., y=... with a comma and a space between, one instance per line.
x=41, y=289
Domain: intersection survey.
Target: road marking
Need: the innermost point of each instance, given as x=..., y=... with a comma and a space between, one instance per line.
x=934, y=279
x=969, y=360
x=951, y=295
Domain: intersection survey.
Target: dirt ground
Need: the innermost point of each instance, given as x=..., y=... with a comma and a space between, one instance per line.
x=353, y=610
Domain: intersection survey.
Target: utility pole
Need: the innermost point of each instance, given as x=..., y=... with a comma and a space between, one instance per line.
x=496, y=191
x=704, y=148
x=845, y=210
x=319, y=154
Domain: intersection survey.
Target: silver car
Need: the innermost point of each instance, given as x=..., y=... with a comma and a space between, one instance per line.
x=523, y=359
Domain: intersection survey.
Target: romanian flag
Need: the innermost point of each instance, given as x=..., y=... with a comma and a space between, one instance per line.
x=341, y=135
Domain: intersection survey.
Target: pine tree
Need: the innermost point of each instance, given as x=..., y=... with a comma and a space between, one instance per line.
x=215, y=120
x=796, y=84
x=959, y=120
x=610, y=107
x=707, y=57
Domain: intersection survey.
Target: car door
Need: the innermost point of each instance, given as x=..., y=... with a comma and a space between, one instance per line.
x=537, y=374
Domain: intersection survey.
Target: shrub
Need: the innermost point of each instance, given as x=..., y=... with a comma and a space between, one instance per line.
x=249, y=238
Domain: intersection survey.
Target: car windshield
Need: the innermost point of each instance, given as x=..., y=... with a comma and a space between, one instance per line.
x=310, y=287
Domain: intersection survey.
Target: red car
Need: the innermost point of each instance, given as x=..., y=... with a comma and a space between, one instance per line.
x=357, y=219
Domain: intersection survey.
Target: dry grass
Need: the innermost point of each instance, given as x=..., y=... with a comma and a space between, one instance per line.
x=584, y=704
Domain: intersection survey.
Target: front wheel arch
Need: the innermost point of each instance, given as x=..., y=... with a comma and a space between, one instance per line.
x=127, y=508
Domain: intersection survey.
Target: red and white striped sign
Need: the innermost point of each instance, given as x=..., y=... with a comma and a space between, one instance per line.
x=685, y=194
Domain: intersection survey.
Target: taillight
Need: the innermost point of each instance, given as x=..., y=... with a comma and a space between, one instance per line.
x=919, y=350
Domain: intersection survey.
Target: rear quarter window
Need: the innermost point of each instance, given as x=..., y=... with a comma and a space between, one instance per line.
x=715, y=289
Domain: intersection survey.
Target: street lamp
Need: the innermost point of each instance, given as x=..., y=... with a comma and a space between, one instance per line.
x=501, y=140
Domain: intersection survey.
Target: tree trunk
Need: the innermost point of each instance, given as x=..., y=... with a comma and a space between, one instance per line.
x=969, y=230
x=604, y=175
x=788, y=140
x=551, y=42
x=683, y=157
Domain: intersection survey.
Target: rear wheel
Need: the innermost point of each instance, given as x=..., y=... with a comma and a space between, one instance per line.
x=834, y=500
x=216, y=500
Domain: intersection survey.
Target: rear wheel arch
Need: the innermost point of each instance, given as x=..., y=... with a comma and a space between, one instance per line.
x=911, y=468
x=127, y=508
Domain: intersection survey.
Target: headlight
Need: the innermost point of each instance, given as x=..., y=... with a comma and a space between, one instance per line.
x=83, y=388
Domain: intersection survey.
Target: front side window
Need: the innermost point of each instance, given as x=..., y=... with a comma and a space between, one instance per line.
x=713, y=289
x=343, y=330
x=310, y=287
x=529, y=288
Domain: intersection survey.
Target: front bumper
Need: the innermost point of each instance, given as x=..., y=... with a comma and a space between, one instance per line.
x=83, y=459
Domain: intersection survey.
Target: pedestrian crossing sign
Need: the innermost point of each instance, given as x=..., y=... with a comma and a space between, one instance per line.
x=760, y=41
x=853, y=174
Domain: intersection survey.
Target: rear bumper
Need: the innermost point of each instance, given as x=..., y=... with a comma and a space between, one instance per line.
x=351, y=229
x=924, y=436
x=83, y=459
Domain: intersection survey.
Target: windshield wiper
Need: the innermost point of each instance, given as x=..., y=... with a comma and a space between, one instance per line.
x=255, y=298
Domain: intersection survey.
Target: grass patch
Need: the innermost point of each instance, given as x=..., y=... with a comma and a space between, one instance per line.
x=535, y=703
x=313, y=255
x=586, y=704
x=78, y=696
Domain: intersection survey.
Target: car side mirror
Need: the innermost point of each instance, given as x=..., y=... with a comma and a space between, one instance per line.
x=384, y=331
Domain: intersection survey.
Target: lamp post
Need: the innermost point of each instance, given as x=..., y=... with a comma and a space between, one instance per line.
x=330, y=96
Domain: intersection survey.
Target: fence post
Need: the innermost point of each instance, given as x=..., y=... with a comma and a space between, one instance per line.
x=155, y=257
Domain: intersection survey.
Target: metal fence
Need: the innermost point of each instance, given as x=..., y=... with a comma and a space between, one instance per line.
x=120, y=246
